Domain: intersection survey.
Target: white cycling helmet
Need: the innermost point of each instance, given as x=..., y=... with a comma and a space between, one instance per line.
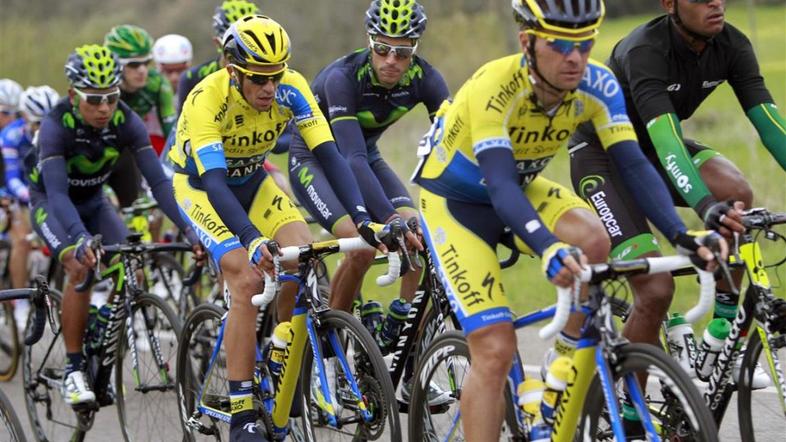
x=9, y=94
x=36, y=101
x=172, y=48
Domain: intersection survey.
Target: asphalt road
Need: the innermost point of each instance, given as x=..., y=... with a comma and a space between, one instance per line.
x=769, y=419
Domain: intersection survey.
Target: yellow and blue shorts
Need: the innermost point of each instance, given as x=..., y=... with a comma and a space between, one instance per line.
x=462, y=239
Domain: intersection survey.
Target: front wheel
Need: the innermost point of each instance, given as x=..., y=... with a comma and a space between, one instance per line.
x=371, y=416
x=769, y=420
x=146, y=397
x=10, y=427
x=676, y=407
x=10, y=349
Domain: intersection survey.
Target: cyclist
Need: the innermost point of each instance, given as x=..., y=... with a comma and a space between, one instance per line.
x=147, y=93
x=34, y=104
x=78, y=147
x=9, y=101
x=666, y=68
x=173, y=54
x=229, y=122
x=481, y=172
x=362, y=94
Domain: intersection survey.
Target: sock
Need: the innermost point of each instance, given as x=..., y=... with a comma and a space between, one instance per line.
x=631, y=423
x=565, y=345
x=241, y=400
x=73, y=362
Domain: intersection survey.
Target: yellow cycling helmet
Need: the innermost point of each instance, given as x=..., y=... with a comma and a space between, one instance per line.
x=571, y=17
x=256, y=40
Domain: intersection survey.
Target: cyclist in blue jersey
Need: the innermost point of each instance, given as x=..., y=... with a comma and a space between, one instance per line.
x=9, y=101
x=362, y=94
x=78, y=145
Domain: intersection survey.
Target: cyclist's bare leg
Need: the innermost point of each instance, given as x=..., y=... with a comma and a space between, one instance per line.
x=244, y=282
x=491, y=349
x=75, y=304
x=583, y=229
x=410, y=281
x=348, y=277
x=652, y=298
x=291, y=234
x=20, y=248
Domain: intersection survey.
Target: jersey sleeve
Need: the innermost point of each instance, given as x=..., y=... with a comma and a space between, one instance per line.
x=203, y=113
x=435, y=91
x=745, y=78
x=646, y=70
x=487, y=119
x=340, y=97
x=135, y=136
x=610, y=117
x=295, y=94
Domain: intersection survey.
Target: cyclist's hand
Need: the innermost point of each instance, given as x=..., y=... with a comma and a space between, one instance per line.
x=259, y=254
x=560, y=265
x=372, y=233
x=83, y=251
x=725, y=217
x=23, y=195
x=196, y=246
x=412, y=233
x=702, y=246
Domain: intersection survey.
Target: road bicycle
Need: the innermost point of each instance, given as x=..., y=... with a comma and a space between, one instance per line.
x=333, y=377
x=605, y=371
x=132, y=370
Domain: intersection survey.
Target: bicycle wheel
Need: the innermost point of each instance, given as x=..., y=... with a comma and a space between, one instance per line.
x=42, y=372
x=768, y=421
x=445, y=365
x=198, y=339
x=372, y=379
x=166, y=281
x=146, y=399
x=677, y=408
x=10, y=427
x=10, y=347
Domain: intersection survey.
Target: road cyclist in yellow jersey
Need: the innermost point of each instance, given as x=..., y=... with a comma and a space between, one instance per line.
x=229, y=123
x=480, y=173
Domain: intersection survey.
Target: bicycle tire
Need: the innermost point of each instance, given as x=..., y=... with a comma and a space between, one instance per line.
x=151, y=405
x=10, y=347
x=745, y=398
x=10, y=427
x=167, y=277
x=38, y=392
x=632, y=358
x=371, y=375
x=197, y=343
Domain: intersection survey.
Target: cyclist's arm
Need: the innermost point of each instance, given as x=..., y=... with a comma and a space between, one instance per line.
x=772, y=130
x=342, y=180
x=55, y=176
x=13, y=166
x=435, y=92
x=340, y=97
x=184, y=86
x=514, y=209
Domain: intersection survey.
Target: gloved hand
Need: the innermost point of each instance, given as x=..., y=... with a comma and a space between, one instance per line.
x=83, y=250
x=725, y=217
x=557, y=257
x=701, y=246
x=259, y=253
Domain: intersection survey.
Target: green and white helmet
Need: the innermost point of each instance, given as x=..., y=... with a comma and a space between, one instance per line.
x=396, y=18
x=129, y=42
x=93, y=66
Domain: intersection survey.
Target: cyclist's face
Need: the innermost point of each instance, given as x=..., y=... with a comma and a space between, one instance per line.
x=6, y=116
x=172, y=72
x=95, y=115
x=561, y=69
x=704, y=17
x=135, y=75
x=259, y=96
x=391, y=67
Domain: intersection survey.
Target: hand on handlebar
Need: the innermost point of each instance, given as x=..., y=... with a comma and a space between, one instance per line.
x=562, y=263
x=83, y=251
x=725, y=217
x=706, y=248
x=196, y=246
x=260, y=254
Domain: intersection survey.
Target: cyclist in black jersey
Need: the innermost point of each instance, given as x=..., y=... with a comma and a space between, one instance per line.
x=666, y=68
x=362, y=94
x=78, y=145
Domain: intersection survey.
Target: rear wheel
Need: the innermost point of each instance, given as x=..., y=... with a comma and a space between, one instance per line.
x=146, y=398
x=10, y=427
x=676, y=407
x=10, y=348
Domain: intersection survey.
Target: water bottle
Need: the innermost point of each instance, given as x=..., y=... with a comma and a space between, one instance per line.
x=102, y=319
x=371, y=315
x=281, y=336
x=682, y=344
x=711, y=344
x=397, y=314
x=556, y=382
x=530, y=393
x=92, y=333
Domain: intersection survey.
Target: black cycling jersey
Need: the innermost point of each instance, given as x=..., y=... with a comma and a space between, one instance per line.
x=191, y=77
x=660, y=74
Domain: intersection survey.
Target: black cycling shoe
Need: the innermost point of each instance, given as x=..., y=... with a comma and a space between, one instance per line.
x=247, y=432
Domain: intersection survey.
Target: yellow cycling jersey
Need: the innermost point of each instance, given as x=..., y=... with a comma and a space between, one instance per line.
x=495, y=108
x=217, y=128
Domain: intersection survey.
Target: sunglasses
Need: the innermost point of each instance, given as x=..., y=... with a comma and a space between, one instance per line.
x=400, y=52
x=7, y=112
x=96, y=99
x=260, y=79
x=137, y=63
x=566, y=46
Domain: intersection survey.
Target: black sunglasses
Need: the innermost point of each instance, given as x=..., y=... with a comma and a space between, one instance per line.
x=137, y=64
x=260, y=79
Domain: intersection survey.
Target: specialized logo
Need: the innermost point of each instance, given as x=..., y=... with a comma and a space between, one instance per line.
x=86, y=167
x=682, y=180
x=589, y=184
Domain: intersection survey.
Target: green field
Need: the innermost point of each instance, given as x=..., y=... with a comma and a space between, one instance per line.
x=720, y=123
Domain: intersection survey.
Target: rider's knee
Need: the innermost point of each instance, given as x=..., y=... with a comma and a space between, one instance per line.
x=493, y=350
x=362, y=258
x=653, y=293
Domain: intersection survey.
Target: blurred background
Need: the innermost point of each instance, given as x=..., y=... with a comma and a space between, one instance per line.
x=37, y=35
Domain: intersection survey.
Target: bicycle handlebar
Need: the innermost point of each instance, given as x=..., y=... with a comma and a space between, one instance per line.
x=293, y=253
x=39, y=300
